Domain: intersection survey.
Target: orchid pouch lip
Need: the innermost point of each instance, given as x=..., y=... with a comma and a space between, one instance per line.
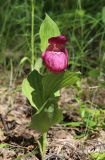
x=55, y=56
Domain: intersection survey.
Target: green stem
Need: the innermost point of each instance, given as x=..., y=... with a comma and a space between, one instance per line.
x=32, y=35
x=42, y=143
x=11, y=74
x=81, y=20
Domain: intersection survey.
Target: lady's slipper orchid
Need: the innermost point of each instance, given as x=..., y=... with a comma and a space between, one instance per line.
x=55, y=56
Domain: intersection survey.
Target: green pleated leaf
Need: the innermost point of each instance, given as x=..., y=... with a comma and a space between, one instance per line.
x=54, y=82
x=32, y=88
x=27, y=90
x=46, y=118
x=48, y=29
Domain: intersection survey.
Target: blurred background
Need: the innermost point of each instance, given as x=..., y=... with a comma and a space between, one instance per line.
x=82, y=21
x=83, y=105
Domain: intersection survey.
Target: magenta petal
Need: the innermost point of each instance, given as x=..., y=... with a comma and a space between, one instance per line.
x=58, y=40
x=55, y=56
x=56, y=61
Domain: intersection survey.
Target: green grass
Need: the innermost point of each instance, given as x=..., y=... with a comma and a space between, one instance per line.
x=82, y=22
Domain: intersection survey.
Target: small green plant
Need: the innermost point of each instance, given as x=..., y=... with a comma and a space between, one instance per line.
x=97, y=156
x=41, y=88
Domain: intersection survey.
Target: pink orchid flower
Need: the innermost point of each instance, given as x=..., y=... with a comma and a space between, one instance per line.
x=55, y=56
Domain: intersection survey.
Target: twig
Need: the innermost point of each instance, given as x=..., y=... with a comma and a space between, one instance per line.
x=53, y=156
x=2, y=117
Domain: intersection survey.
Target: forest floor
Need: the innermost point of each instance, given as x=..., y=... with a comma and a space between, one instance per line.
x=65, y=141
